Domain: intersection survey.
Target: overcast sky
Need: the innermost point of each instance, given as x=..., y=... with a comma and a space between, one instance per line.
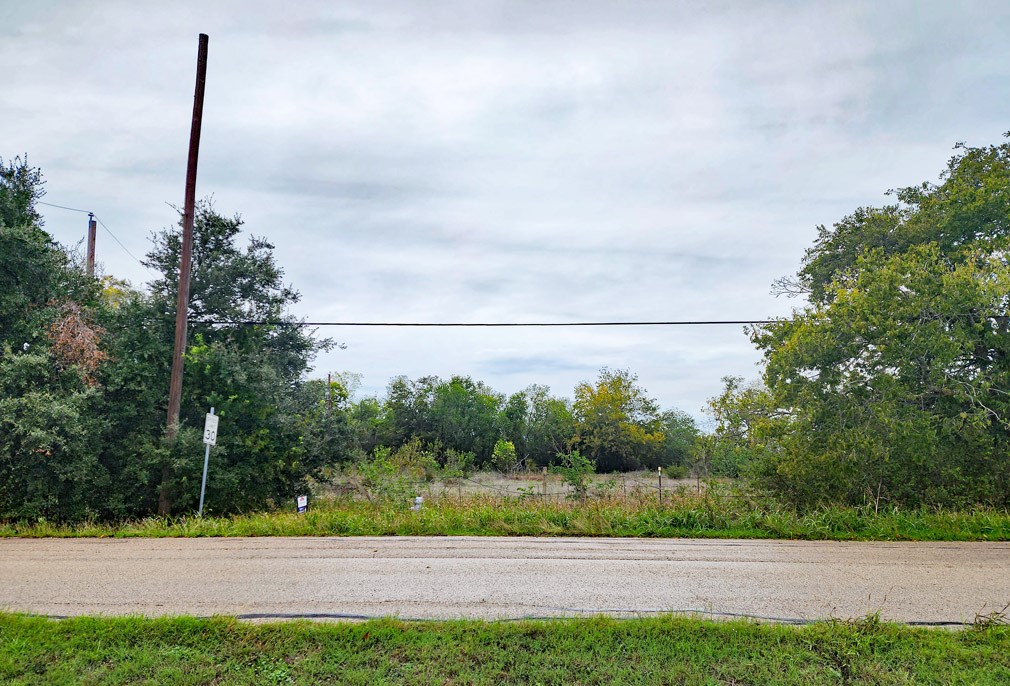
x=506, y=161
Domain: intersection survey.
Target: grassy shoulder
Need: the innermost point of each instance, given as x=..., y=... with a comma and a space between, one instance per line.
x=662, y=650
x=684, y=515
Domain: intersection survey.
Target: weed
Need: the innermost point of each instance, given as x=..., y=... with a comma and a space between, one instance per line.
x=987, y=621
x=575, y=471
x=379, y=506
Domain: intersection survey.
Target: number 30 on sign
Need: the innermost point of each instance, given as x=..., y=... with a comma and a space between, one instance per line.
x=210, y=430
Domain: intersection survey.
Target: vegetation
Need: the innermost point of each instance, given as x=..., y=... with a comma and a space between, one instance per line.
x=662, y=650
x=587, y=512
x=84, y=369
x=887, y=389
x=890, y=387
x=612, y=421
x=84, y=375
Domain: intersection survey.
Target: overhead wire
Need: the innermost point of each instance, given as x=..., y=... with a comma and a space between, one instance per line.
x=418, y=324
x=125, y=249
x=62, y=207
x=103, y=225
x=216, y=322
x=408, y=324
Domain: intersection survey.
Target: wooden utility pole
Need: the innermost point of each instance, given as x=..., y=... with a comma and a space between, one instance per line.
x=185, y=266
x=92, y=234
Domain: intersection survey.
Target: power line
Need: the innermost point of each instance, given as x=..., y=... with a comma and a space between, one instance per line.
x=681, y=322
x=107, y=229
x=490, y=324
x=99, y=220
x=62, y=207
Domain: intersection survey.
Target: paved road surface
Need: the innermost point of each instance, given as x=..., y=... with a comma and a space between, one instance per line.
x=503, y=577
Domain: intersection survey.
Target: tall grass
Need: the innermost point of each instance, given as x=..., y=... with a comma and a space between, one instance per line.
x=661, y=650
x=706, y=515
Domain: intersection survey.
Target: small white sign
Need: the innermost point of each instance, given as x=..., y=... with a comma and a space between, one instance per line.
x=210, y=430
x=303, y=503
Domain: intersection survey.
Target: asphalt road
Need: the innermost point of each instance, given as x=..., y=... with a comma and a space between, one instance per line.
x=503, y=577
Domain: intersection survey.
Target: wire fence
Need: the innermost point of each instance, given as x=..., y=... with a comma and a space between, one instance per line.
x=547, y=486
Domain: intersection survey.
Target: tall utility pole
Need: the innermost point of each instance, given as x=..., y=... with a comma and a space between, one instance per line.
x=185, y=265
x=92, y=234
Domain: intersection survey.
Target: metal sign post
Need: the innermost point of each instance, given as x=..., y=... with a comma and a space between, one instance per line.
x=209, y=438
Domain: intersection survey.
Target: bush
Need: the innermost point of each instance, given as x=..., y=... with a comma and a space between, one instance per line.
x=575, y=470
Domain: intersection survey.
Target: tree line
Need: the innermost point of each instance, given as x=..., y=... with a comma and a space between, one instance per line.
x=611, y=421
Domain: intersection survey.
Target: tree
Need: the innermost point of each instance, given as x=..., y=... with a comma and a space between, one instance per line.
x=84, y=368
x=504, y=458
x=464, y=417
x=458, y=414
x=20, y=188
x=48, y=429
x=230, y=287
x=365, y=417
x=50, y=352
x=892, y=382
x=743, y=413
x=38, y=278
x=968, y=209
x=679, y=437
x=246, y=357
x=407, y=410
x=540, y=425
x=617, y=425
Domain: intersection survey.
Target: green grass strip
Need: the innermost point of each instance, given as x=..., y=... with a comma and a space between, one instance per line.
x=481, y=516
x=662, y=650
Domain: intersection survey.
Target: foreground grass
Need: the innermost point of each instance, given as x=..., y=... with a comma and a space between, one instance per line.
x=681, y=516
x=664, y=650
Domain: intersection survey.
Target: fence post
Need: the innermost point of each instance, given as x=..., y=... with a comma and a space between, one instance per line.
x=660, y=469
x=545, y=485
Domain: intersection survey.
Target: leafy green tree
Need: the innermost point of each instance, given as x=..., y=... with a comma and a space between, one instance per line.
x=458, y=414
x=539, y=425
x=504, y=458
x=892, y=384
x=48, y=427
x=679, y=436
x=366, y=423
x=231, y=287
x=38, y=278
x=967, y=208
x=84, y=375
x=617, y=425
x=743, y=414
x=464, y=417
x=407, y=410
x=274, y=427
x=513, y=423
x=51, y=350
x=21, y=187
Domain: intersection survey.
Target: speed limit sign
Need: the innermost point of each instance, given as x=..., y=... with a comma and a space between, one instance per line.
x=210, y=430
